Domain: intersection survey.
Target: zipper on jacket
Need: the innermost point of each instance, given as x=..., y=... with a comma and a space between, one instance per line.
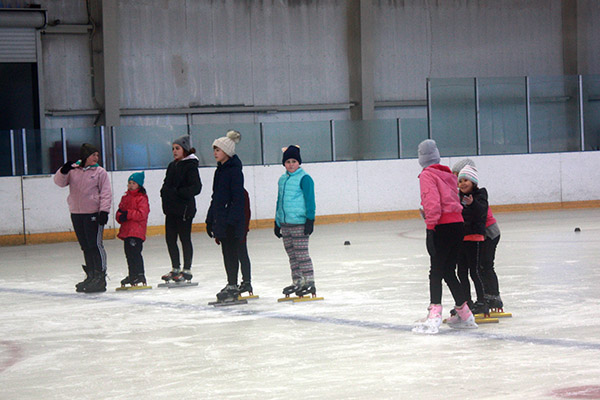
x=283, y=198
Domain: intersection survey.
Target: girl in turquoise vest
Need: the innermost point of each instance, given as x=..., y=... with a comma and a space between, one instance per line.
x=294, y=221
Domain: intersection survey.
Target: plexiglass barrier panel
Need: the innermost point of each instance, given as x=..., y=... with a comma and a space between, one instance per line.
x=146, y=147
x=366, y=140
x=591, y=111
x=248, y=149
x=75, y=137
x=452, y=115
x=554, y=114
x=412, y=132
x=6, y=154
x=44, y=151
x=502, y=115
x=313, y=138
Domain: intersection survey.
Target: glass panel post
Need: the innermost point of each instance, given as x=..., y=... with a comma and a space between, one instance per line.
x=24, y=137
x=399, y=133
x=63, y=140
x=103, y=147
x=13, y=157
x=332, y=135
x=477, y=109
x=581, y=126
x=262, y=143
x=114, y=148
x=528, y=110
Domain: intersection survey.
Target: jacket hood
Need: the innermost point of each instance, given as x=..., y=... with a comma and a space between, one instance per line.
x=439, y=167
x=233, y=162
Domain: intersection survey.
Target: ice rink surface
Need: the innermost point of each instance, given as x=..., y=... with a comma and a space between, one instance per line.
x=356, y=344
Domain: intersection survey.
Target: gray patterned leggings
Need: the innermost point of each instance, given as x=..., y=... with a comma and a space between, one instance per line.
x=295, y=243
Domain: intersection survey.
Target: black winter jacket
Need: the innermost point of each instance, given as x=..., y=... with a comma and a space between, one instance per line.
x=180, y=187
x=475, y=215
x=227, y=204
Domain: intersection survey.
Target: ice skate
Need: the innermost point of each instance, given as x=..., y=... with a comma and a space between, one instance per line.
x=177, y=279
x=184, y=276
x=293, y=288
x=89, y=275
x=496, y=306
x=97, y=284
x=431, y=324
x=463, y=319
x=246, y=287
x=169, y=276
x=228, y=296
x=125, y=281
x=137, y=282
x=480, y=307
x=301, y=288
x=307, y=288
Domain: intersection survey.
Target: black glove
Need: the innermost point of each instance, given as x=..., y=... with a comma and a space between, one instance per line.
x=102, y=218
x=209, y=230
x=277, y=230
x=122, y=217
x=430, y=242
x=309, y=226
x=66, y=167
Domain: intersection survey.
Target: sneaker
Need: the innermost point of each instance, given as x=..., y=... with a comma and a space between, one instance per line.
x=245, y=287
x=169, y=276
x=431, y=324
x=463, y=319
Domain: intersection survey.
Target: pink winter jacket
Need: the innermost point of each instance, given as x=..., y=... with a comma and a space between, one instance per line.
x=89, y=189
x=439, y=196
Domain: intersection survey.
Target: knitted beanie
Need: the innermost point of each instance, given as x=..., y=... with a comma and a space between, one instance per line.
x=461, y=164
x=184, y=142
x=227, y=142
x=469, y=173
x=292, y=151
x=137, y=177
x=428, y=153
x=85, y=151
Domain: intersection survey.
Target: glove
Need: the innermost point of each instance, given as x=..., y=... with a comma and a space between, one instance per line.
x=430, y=242
x=309, y=226
x=122, y=217
x=66, y=167
x=277, y=230
x=102, y=218
x=209, y=230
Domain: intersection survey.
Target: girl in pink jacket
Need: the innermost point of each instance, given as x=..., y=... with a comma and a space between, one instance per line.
x=445, y=231
x=133, y=217
x=89, y=203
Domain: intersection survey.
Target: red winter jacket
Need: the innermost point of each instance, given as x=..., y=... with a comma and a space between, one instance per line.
x=137, y=207
x=439, y=196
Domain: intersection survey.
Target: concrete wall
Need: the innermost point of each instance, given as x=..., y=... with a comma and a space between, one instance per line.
x=353, y=187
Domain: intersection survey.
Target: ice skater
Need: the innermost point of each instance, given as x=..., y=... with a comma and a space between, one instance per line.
x=178, y=193
x=225, y=218
x=245, y=264
x=133, y=217
x=89, y=203
x=445, y=231
x=294, y=221
x=487, y=272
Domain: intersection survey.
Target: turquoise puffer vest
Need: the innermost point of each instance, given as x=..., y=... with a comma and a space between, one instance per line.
x=291, y=205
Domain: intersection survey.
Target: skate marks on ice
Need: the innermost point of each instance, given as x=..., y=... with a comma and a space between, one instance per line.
x=10, y=354
x=475, y=334
x=173, y=285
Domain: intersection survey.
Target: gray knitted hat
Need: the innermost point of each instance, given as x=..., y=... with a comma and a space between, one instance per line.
x=184, y=142
x=428, y=153
x=461, y=164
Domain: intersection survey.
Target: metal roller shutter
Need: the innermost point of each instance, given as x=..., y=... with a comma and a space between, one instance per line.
x=17, y=45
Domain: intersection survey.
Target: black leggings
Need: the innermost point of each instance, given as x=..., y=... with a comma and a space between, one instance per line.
x=235, y=252
x=133, y=252
x=176, y=226
x=487, y=272
x=447, y=240
x=89, y=236
x=469, y=263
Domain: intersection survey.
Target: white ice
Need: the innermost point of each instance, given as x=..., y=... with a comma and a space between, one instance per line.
x=356, y=344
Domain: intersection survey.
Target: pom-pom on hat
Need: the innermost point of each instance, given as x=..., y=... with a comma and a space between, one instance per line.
x=85, y=151
x=428, y=153
x=227, y=142
x=461, y=164
x=137, y=177
x=469, y=173
x=292, y=151
x=184, y=142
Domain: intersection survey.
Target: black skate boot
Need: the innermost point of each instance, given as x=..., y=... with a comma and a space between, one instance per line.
x=125, y=281
x=228, y=293
x=137, y=280
x=97, y=284
x=307, y=288
x=89, y=275
x=480, y=307
x=293, y=288
x=246, y=287
x=185, y=275
x=494, y=301
x=169, y=276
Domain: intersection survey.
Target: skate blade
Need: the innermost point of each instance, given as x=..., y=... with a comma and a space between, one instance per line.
x=494, y=314
x=249, y=297
x=300, y=299
x=177, y=284
x=227, y=303
x=486, y=320
x=139, y=287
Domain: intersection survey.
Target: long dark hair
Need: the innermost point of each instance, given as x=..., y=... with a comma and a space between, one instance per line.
x=187, y=153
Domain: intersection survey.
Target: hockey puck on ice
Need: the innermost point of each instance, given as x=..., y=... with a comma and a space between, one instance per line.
x=347, y=243
x=577, y=229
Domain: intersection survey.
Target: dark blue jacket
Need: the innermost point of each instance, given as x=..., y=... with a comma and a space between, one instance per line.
x=227, y=204
x=180, y=187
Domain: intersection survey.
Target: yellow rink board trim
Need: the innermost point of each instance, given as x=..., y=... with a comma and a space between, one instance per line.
x=126, y=288
x=111, y=233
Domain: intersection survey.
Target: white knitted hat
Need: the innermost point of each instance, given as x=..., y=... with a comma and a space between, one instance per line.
x=469, y=173
x=227, y=143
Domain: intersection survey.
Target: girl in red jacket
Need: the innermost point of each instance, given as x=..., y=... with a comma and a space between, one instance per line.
x=445, y=231
x=133, y=217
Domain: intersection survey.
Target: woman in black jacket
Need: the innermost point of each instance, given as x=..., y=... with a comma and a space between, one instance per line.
x=225, y=220
x=180, y=187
